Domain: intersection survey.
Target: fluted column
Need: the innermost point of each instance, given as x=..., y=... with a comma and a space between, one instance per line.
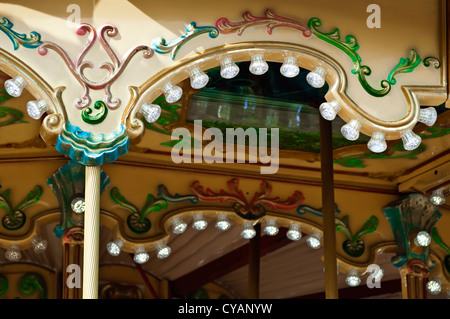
x=91, y=233
x=414, y=278
x=72, y=241
x=328, y=206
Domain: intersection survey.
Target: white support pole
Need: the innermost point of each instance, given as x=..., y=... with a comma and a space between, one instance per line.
x=91, y=232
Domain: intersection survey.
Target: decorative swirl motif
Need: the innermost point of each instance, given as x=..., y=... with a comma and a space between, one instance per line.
x=13, y=116
x=32, y=282
x=3, y=285
x=97, y=118
x=114, y=69
x=164, y=193
x=350, y=46
x=137, y=221
x=15, y=218
x=354, y=245
x=254, y=209
x=31, y=42
x=436, y=63
x=404, y=66
x=272, y=20
x=160, y=45
x=303, y=209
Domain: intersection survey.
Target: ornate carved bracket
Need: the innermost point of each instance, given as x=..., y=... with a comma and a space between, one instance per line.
x=253, y=209
x=407, y=217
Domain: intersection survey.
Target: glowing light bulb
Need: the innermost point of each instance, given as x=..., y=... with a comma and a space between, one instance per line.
x=223, y=223
x=178, y=226
x=15, y=86
x=151, y=112
x=437, y=197
x=258, y=65
x=294, y=232
x=316, y=78
x=198, y=78
x=434, y=286
x=377, y=144
x=172, y=92
x=228, y=69
x=140, y=255
x=13, y=253
x=199, y=222
x=353, y=279
x=36, y=109
x=114, y=247
x=290, y=68
x=313, y=241
x=410, y=140
x=78, y=205
x=39, y=245
x=271, y=227
x=328, y=110
x=351, y=130
x=162, y=250
x=248, y=232
x=422, y=239
x=428, y=116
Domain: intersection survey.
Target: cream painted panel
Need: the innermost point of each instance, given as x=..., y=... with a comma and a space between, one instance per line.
x=404, y=26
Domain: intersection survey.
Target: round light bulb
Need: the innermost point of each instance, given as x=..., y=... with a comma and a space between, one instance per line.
x=290, y=68
x=434, y=286
x=36, y=109
x=316, y=78
x=172, y=92
x=271, y=227
x=140, y=255
x=228, y=69
x=223, y=223
x=15, y=86
x=39, y=245
x=13, y=253
x=352, y=279
x=199, y=222
x=328, y=110
x=162, y=250
x=151, y=112
x=410, y=140
x=198, y=78
x=258, y=65
x=437, y=197
x=313, y=241
x=294, y=232
x=78, y=205
x=377, y=144
x=422, y=239
x=351, y=130
x=248, y=232
x=178, y=226
x=428, y=116
x=114, y=247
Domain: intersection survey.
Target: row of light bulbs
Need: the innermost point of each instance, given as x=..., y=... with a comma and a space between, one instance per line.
x=315, y=78
x=13, y=252
x=353, y=279
x=199, y=223
x=258, y=66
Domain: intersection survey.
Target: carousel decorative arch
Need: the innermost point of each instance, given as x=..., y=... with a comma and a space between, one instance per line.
x=98, y=127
